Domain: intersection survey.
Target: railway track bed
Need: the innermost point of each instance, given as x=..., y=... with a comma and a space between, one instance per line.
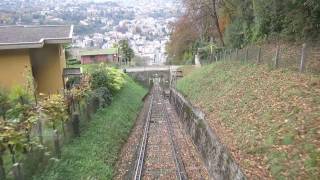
x=164, y=150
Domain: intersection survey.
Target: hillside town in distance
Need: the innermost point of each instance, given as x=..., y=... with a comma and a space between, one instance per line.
x=101, y=24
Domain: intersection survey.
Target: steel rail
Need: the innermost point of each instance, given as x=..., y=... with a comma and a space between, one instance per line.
x=180, y=169
x=154, y=103
x=143, y=146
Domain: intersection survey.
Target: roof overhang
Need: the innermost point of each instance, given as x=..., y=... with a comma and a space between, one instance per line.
x=38, y=44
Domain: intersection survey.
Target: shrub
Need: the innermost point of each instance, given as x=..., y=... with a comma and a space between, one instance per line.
x=18, y=112
x=102, y=95
x=19, y=95
x=115, y=79
x=108, y=77
x=55, y=110
x=99, y=79
x=4, y=103
x=105, y=95
x=21, y=101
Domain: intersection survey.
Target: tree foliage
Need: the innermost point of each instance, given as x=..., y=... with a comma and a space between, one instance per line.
x=236, y=23
x=182, y=39
x=126, y=51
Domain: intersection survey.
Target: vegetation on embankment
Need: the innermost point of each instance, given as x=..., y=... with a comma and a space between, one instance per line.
x=94, y=154
x=206, y=27
x=269, y=119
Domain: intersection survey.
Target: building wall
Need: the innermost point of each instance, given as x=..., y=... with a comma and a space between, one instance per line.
x=97, y=59
x=47, y=66
x=15, y=65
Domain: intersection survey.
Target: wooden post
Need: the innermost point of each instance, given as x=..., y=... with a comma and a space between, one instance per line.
x=259, y=56
x=76, y=124
x=217, y=57
x=237, y=54
x=88, y=110
x=79, y=106
x=17, y=171
x=2, y=170
x=63, y=129
x=246, y=56
x=40, y=135
x=303, y=58
x=56, y=140
x=276, y=61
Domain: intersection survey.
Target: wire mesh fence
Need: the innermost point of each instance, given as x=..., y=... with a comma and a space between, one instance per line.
x=302, y=57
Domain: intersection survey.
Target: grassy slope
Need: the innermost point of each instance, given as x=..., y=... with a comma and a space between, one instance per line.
x=94, y=154
x=269, y=119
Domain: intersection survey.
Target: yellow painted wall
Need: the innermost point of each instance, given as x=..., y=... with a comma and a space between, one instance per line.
x=47, y=66
x=14, y=67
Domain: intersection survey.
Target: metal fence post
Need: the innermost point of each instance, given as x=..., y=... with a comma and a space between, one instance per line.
x=303, y=58
x=259, y=56
x=230, y=54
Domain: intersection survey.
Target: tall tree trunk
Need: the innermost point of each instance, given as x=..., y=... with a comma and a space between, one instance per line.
x=216, y=21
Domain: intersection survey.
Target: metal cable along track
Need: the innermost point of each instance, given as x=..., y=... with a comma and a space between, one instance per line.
x=156, y=99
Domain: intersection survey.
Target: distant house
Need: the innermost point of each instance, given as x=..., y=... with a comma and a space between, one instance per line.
x=99, y=55
x=33, y=51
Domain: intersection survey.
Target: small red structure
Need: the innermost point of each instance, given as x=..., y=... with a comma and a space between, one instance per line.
x=99, y=55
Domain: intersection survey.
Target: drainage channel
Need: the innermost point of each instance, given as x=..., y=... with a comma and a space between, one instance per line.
x=165, y=152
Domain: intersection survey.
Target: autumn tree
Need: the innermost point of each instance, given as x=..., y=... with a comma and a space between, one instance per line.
x=183, y=36
x=205, y=12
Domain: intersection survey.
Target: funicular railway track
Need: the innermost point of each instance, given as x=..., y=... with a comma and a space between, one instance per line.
x=160, y=153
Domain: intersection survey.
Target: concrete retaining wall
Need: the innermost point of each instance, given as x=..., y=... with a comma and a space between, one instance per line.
x=218, y=160
x=144, y=77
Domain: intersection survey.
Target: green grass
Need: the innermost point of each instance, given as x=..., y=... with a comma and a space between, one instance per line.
x=94, y=154
x=268, y=118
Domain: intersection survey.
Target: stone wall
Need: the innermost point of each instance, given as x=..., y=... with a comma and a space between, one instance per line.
x=218, y=160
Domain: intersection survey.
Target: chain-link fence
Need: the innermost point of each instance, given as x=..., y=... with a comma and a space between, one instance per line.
x=303, y=58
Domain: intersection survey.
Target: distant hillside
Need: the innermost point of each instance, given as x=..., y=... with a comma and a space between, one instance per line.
x=269, y=119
